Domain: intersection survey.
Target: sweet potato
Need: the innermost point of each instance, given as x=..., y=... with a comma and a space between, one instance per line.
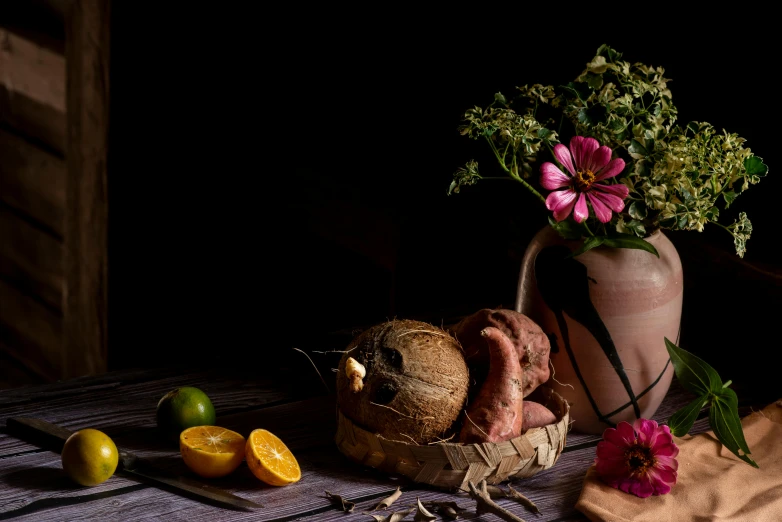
x=535, y=415
x=496, y=413
x=530, y=342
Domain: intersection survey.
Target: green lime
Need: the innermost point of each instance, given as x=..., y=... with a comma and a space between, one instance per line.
x=184, y=408
x=89, y=457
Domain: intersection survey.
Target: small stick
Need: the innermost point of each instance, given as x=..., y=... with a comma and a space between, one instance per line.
x=316, y=369
x=487, y=505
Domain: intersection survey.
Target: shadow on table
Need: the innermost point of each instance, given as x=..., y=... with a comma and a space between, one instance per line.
x=39, y=478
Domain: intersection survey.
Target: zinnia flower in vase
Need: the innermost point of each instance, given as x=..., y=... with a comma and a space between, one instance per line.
x=588, y=164
x=638, y=459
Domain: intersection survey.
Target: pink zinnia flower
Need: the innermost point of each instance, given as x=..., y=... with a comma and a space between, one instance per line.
x=638, y=459
x=588, y=163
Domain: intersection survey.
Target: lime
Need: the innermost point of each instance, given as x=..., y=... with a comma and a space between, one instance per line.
x=89, y=457
x=184, y=408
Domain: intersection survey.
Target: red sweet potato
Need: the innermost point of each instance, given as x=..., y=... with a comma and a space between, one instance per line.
x=495, y=415
x=530, y=342
x=535, y=415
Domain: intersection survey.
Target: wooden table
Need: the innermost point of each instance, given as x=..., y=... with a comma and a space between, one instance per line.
x=292, y=404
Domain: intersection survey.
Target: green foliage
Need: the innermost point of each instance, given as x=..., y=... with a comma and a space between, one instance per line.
x=679, y=177
x=700, y=379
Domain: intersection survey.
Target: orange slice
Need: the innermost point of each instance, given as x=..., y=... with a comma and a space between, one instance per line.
x=211, y=451
x=270, y=459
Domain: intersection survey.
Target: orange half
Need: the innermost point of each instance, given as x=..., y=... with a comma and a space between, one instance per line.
x=270, y=459
x=211, y=451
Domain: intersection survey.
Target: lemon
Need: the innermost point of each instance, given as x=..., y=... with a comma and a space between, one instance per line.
x=211, y=451
x=89, y=457
x=184, y=408
x=270, y=460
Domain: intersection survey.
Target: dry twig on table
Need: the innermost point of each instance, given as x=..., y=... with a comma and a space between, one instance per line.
x=487, y=505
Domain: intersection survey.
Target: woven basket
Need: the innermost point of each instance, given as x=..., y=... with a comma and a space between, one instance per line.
x=451, y=465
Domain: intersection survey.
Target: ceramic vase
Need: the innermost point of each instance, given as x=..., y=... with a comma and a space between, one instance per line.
x=607, y=313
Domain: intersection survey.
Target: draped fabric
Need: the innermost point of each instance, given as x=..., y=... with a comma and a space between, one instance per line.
x=713, y=484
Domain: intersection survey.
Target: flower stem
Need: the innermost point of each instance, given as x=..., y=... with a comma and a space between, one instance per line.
x=512, y=174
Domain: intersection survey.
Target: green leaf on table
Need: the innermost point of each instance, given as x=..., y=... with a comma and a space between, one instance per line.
x=681, y=422
x=726, y=424
x=589, y=244
x=694, y=374
x=629, y=241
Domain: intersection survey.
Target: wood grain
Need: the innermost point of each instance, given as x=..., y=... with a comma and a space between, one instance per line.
x=123, y=403
x=31, y=259
x=30, y=332
x=85, y=324
x=127, y=409
x=33, y=89
x=32, y=181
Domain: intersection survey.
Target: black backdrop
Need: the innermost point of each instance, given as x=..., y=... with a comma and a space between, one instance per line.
x=279, y=174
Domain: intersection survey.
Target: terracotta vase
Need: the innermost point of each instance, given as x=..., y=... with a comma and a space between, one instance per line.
x=607, y=313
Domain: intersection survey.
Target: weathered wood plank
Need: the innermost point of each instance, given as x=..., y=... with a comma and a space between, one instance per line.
x=85, y=324
x=30, y=331
x=31, y=259
x=130, y=408
x=33, y=89
x=32, y=181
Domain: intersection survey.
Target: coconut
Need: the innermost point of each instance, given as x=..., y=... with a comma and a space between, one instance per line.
x=414, y=381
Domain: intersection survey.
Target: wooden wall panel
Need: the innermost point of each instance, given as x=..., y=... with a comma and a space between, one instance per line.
x=32, y=181
x=86, y=215
x=32, y=90
x=30, y=332
x=31, y=259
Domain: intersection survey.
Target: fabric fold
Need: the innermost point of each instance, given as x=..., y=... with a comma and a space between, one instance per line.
x=713, y=484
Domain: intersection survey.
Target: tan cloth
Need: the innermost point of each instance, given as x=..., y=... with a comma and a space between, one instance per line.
x=713, y=485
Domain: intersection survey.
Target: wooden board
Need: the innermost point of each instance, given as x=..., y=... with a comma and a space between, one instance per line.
x=85, y=324
x=122, y=404
x=32, y=181
x=32, y=90
x=31, y=259
x=30, y=331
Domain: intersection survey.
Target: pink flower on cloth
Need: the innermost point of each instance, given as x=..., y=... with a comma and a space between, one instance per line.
x=588, y=164
x=638, y=459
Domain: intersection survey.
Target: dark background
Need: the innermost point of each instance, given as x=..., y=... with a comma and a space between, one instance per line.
x=279, y=177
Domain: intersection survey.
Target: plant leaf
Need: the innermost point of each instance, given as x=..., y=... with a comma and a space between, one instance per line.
x=342, y=503
x=693, y=373
x=567, y=228
x=422, y=514
x=386, y=502
x=629, y=241
x=680, y=423
x=589, y=244
x=724, y=420
x=755, y=166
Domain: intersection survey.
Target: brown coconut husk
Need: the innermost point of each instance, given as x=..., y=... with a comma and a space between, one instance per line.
x=415, y=385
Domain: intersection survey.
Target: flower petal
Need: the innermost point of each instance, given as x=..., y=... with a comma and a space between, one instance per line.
x=622, y=435
x=613, y=202
x=561, y=203
x=551, y=178
x=582, y=149
x=645, y=429
x=600, y=158
x=614, y=167
x=602, y=212
x=609, y=450
x=581, y=212
x=564, y=157
x=620, y=189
